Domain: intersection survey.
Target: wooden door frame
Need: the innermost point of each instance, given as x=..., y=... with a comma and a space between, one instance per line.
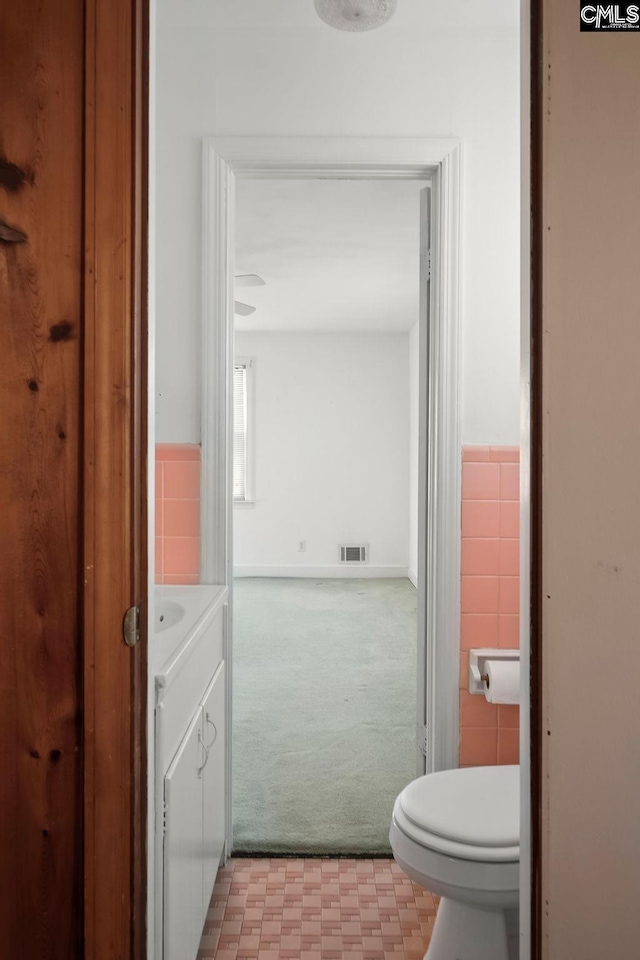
x=73, y=199
x=114, y=482
x=112, y=53
x=531, y=68
x=41, y=226
x=532, y=210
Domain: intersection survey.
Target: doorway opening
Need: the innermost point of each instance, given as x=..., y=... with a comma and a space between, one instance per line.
x=432, y=167
x=325, y=518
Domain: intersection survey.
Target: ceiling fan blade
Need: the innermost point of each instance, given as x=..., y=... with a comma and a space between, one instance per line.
x=249, y=280
x=243, y=309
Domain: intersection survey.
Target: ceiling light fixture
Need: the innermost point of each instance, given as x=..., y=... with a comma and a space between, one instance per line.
x=355, y=15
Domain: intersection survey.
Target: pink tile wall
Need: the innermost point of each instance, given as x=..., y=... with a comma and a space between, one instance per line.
x=178, y=513
x=490, y=590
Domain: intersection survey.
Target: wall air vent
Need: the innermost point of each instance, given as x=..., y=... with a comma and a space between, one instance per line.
x=358, y=553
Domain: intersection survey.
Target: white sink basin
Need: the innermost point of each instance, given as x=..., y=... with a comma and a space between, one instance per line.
x=180, y=614
x=168, y=614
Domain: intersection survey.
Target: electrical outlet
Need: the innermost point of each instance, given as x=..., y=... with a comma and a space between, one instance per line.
x=302, y=546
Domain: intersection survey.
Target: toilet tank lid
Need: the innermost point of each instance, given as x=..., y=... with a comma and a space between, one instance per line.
x=476, y=805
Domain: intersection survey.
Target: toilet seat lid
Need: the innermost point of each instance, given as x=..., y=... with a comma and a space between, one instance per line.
x=478, y=806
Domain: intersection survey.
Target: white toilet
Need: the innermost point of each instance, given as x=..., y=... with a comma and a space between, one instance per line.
x=457, y=834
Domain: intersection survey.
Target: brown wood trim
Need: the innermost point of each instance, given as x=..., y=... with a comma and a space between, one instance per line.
x=41, y=167
x=114, y=507
x=537, y=116
x=141, y=468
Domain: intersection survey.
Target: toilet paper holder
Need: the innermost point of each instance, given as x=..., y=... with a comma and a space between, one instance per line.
x=477, y=665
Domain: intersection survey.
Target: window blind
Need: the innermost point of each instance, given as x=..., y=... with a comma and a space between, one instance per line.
x=240, y=432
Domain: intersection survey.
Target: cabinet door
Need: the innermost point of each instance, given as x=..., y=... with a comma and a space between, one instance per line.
x=183, y=895
x=213, y=779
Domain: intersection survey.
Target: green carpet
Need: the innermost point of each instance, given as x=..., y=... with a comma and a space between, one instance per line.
x=324, y=692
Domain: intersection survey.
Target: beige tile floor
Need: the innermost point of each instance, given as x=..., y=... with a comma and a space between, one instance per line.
x=316, y=909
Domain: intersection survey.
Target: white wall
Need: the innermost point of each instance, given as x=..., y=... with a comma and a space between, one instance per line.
x=414, y=437
x=590, y=455
x=256, y=68
x=184, y=115
x=331, y=450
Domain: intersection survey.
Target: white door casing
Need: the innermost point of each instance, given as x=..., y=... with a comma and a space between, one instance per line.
x=438, y=162
x=423, y=704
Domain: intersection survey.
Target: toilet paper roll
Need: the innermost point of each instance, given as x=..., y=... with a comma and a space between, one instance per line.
x=504, y=681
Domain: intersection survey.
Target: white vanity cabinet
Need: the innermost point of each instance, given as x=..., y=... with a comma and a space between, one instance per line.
x=183, y=893
x=213, y=784
x=191, y=786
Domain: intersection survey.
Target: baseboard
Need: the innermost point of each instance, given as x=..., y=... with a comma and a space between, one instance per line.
x=413, y=576
x=336, y=571
x=299, y=854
